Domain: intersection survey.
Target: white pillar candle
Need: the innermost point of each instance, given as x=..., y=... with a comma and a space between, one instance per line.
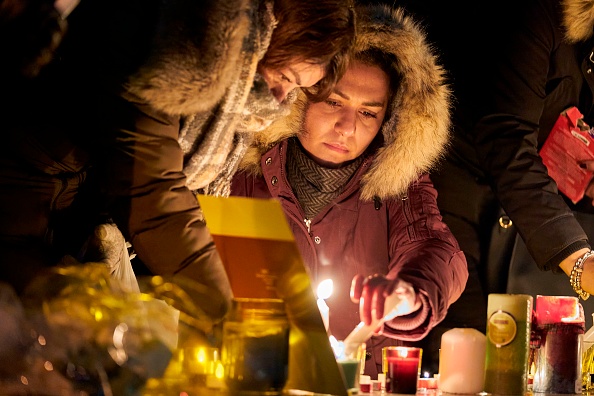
x=462, y=361
x=324, y=291
x=325, y=312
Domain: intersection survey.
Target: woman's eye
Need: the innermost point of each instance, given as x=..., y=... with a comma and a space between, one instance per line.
x=285, y=78
x=367, y=114
x=332, y=103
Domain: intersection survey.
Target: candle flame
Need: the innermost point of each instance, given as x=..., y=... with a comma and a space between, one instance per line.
x=201, y=355
x=325, y=289
x=402, y=352
x=219, y=370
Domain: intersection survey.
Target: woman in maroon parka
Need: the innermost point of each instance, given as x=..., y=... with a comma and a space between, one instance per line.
x=351, y=174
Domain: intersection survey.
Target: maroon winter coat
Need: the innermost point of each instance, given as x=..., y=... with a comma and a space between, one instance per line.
x=386, y=220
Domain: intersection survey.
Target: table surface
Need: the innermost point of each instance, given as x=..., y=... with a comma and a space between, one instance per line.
x=200, y=391
x=436, y=392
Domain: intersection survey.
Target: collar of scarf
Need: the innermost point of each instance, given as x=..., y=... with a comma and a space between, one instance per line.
x=315, y=186
x=214, y=142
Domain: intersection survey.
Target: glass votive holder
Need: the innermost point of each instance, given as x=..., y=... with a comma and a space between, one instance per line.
x=203, y=366
x=402, y=366
x=350, y=358
x=255, y=348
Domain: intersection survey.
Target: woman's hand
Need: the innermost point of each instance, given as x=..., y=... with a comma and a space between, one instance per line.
x=371, y=294
x=587, y=281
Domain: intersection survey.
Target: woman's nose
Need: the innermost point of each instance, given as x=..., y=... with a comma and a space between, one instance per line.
x=346, y=123
x=281, y=90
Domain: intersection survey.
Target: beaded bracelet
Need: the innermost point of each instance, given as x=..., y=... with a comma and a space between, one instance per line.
x=575, y=278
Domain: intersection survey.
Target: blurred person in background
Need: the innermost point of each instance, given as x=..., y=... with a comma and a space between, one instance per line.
x=543, y=66
x=534, y=61
x=351, y=174
x=144, y=104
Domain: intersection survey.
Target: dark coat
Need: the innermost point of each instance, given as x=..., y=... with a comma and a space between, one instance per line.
x=386, y=220
x=542, y=65
x=96, y=135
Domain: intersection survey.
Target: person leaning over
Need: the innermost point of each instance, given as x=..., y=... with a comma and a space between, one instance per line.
x=351, y=174
x=145, y=104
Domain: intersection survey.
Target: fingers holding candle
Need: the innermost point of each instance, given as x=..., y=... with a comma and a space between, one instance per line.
x=372, y=292
x=357, y=288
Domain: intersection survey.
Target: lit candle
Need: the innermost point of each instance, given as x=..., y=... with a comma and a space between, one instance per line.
x=349, y=360
x=402, y=369
x=324, y=291
x=558, y=309
x=560, y=327
x=426, y=382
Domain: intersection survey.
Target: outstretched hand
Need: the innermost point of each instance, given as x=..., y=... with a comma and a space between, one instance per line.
x=371, y=293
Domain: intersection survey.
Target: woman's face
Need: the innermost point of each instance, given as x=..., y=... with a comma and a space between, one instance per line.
x=282, y=81
x=340, y=128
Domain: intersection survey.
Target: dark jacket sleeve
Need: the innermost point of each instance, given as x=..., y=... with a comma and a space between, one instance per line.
x=507, y=135
x=426, y=255
x=150, y=202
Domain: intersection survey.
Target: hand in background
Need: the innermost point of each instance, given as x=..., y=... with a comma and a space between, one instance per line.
x=371, y=294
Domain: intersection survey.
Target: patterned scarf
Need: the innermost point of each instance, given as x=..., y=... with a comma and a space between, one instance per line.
x=314, y=185
x=214, y=142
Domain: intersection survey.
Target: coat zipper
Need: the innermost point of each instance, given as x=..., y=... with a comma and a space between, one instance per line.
x=306, y=221
x=308, y=225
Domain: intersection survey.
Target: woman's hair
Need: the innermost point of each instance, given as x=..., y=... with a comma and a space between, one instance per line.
x=385, y=61
x=318, y=31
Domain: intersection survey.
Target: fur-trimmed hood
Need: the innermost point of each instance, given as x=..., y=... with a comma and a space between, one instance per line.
x=417, y=134
x=578, y=19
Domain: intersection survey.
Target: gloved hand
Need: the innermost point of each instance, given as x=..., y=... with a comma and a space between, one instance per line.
x=107, y=245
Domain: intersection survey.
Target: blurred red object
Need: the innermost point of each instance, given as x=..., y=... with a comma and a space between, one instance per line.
x=558, y=309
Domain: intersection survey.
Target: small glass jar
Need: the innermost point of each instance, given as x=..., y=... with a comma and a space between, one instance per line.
x=255, y=347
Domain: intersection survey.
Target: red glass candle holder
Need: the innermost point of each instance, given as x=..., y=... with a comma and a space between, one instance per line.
x=402, y=366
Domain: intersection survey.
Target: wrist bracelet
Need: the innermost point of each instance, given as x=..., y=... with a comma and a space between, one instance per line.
x=575, y=277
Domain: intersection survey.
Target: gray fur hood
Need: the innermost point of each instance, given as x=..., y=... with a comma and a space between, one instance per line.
x=578, y=19
x=197, y=52
x=417, y=134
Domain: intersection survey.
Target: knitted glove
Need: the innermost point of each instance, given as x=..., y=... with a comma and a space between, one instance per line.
x=108, y=245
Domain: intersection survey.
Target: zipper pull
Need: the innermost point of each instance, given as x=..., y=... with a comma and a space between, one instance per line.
x=308, y=225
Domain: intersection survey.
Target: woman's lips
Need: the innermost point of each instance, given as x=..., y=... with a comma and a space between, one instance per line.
x=337, y=147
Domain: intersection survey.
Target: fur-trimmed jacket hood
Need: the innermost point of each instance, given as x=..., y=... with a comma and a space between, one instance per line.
x=578, y=19
x=417, y=133
x=208, y=77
